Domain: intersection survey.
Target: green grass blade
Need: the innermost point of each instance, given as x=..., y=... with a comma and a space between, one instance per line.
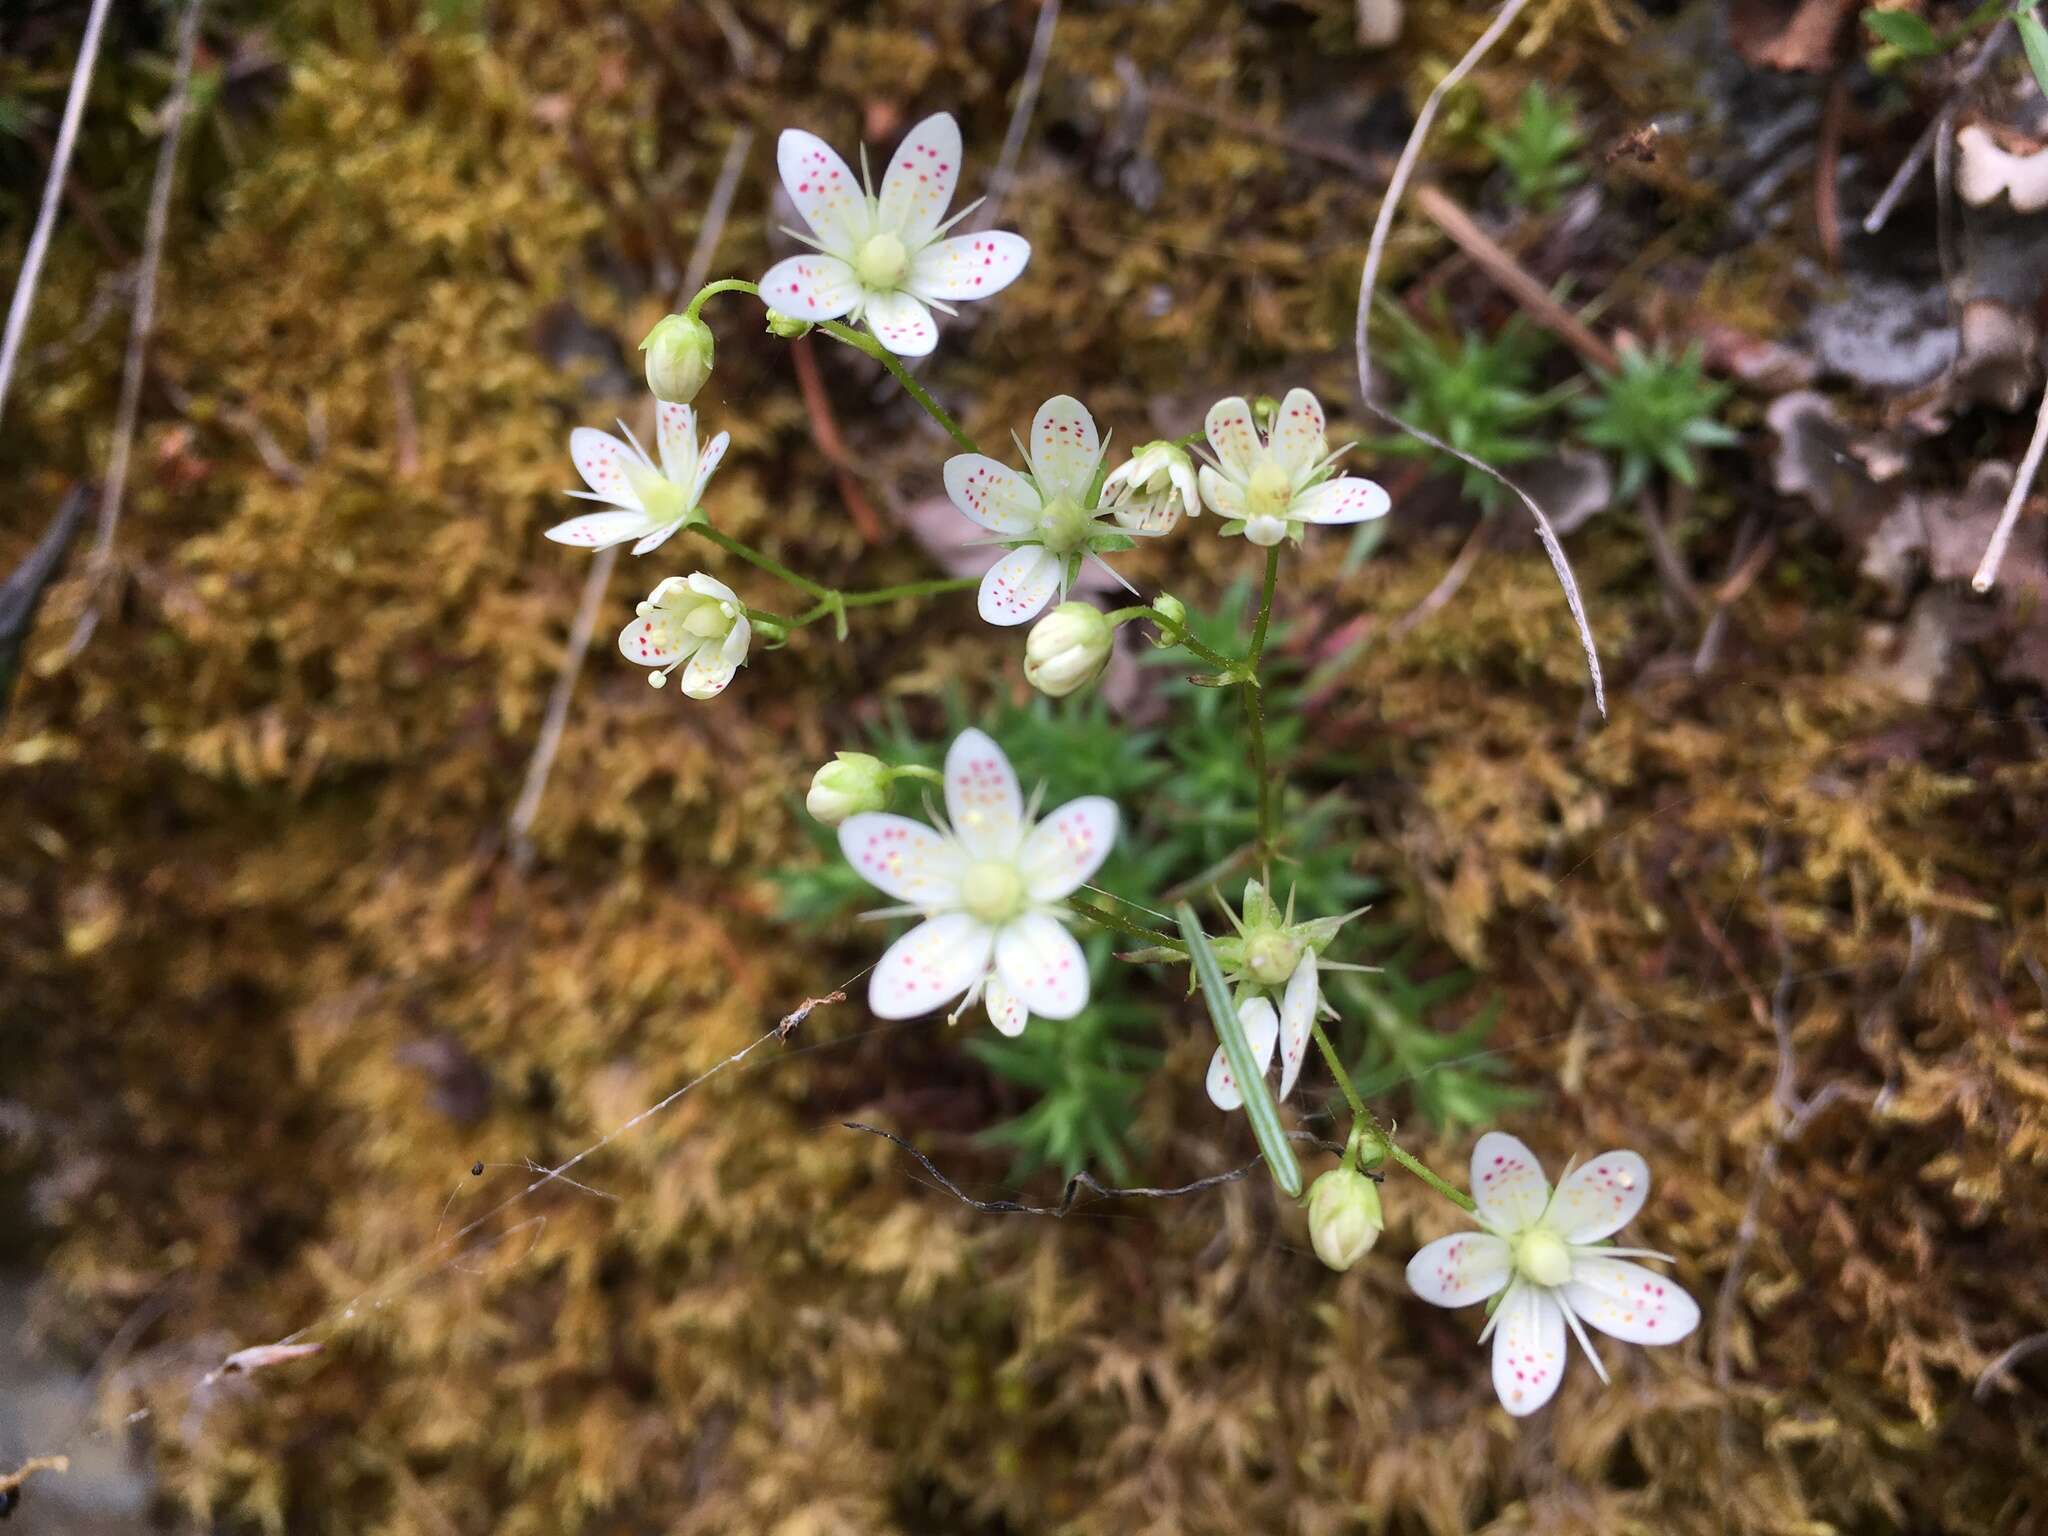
x=1251, y=1082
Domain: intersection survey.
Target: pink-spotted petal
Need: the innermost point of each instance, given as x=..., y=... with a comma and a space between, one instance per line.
x=600, y=530
x=1006, y=1009
x=825, y=192
x=1067, y=847
x=1232, y=437
x=1297, y=1015
x=1628, y=1302
x=706, y=674
x=1528, y=1349
x=983, y=800
x=930, y=966
x=969, y=266
x=604, y=463
x=1507, y=1183
x=1297, y=440
x=993, y=495
x=901, y=323
x=653, y=645
x=1042, y=965
x=675, y=433
x=1019, y=585
x=1461, y=1269
x=1225, y=497
x=659, y=537
x=1064, y=448
x=1261, y=1028
x=710, y=459
x=920, y=180
x=1599, y=1199
x=811, y=287
x=903, y=858
x=1345, y=499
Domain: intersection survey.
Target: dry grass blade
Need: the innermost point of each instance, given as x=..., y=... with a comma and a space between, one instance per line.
x=2022, y=483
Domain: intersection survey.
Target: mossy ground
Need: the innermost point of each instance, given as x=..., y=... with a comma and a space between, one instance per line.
x=274, y=980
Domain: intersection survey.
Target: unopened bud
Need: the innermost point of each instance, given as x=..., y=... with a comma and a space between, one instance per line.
x=1171, y=609
x=1344, y=1217
x=788, y=327
x=851, y=783
x=679, y=352
x=1067, y=649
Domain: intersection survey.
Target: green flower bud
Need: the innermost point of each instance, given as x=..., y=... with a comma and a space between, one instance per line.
x=1171, y=609
x=853, y=782
x=1067, y=649
x=788, y=327
x=679, y=352
x=1344, y=1217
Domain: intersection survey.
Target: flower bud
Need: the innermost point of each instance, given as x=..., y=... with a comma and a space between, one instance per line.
x=1344, y=1218
x=1171, y=609
x=853, y=782
x=1067, y=649
x=788, y=327
x=679, y=351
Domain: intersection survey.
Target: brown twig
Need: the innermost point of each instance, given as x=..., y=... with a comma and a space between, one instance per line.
x=1989, y=1378
x=825, y=433
x=1916, y=157
x=1827, y=165
x=1449, y=585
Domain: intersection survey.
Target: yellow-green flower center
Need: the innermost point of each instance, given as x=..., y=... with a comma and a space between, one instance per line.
x=882, y=263
x=1271, y=957
x=1542, y=1257
x=1269, y=492
x=992, y=892
x=660, y=497
x=1062, y=525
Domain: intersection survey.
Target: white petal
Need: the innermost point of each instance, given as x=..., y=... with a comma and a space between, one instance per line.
x=1528, y=1349
x=1297, y=440
x=992, y=494
x=659, y=537
x=1232, y=437
x=1599, y=1199
x=982, y=798
x=1507, y=1183
x=1006, y=1009
x=675, y=435
x=903, y=858
x=1067, y=847
x=1345, y=499
x=920, y=180
x=603, y=460
x=1297, y=1014
x=901, y=323
x=1019, y=585
x=1223, y=496
x=706, y=674
x=810, y=287
x=1261, y=1028
x=929, y=966
x=1458, y=1270
x=600, y=530
x=639, y=642
x=1064, y=448
x=1041, y=963
x=824, y=191
x=969, y=266
x=1628, y=1302
x=706, y=585
x=712, y=457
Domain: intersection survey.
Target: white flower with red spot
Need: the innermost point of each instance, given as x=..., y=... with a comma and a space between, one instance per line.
x=1271, y=488
x=1050, y=515
x=1265, y=1028
x=650, y=503
x=989, y=889
x=879, y=259
x=1542, y=1253
x=695, y=622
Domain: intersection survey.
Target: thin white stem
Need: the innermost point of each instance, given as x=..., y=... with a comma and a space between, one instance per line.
x=53, y=195
x=134, y=365
x=2023, y=482
x=1020, y=117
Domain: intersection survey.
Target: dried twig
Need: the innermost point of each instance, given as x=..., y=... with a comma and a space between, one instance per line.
x=1367, y=284
x=1916, y=157
x=1827, y=192
x=24, y=300
x=595, y=583
x=130, y=407
x=1020, y=116
x=1996, y=1370
x=1080, y=1182
x=2022, y=483
x=1449, y=585
x=825, y=433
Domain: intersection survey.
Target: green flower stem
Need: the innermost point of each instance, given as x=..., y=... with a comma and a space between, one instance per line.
x=754, y=557
x=723, y=285
x=931, y=588
x=1254, y=703
x=917, y=771
x=1116, y=922
x=1380, y=1133
x=1237, y=1050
